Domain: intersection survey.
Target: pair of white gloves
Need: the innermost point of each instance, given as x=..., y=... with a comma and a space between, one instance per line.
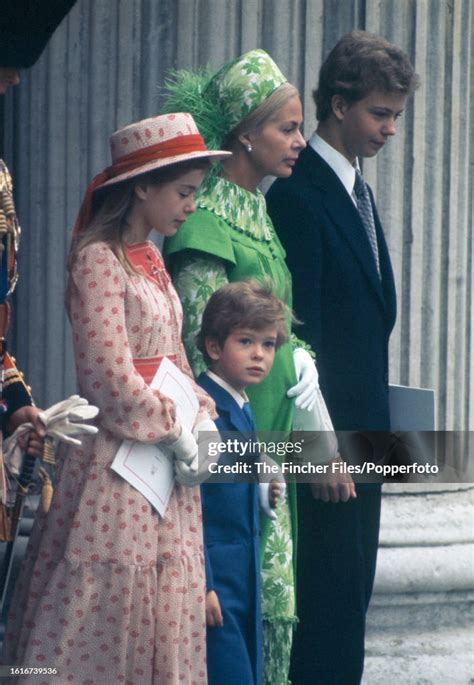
x=63, y=422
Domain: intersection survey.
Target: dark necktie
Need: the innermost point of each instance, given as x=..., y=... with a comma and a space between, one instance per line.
x=366, y=214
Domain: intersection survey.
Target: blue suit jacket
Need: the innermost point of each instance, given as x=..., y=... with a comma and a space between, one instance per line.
x=231, y=542
x=348, y=312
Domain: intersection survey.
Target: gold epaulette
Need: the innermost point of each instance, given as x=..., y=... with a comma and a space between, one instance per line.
x=13, y=375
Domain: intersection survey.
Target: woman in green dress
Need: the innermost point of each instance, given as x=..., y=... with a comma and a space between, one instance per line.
x=249, y=108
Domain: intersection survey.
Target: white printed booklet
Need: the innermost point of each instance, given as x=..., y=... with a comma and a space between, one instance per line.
x=149, y=468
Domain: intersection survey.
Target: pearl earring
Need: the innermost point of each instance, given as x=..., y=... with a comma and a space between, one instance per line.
x=249, y=148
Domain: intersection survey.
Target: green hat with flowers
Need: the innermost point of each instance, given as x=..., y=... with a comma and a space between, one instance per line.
x=219, y=102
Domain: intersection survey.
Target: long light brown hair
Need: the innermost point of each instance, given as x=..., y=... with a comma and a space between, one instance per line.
x=112, y=205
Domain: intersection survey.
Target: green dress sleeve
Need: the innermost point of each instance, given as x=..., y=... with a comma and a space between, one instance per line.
x=205, y=232
x=196, y=276
x=296, y=342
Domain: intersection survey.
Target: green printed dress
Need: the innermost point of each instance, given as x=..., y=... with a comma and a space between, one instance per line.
x=229, y=238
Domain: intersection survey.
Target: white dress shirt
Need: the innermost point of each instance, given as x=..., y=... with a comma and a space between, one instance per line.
x=240, y=399
x=338, y=163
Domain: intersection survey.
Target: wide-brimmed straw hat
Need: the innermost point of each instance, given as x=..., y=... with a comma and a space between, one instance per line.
x=155, y=143
x=145, y=146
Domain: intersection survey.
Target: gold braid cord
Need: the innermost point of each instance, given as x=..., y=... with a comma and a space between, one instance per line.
x=10, y=230
x=9, y=375
x=46, y=473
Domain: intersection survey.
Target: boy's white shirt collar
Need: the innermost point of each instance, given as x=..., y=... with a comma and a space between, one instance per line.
x=240, y=399
x=338, y=163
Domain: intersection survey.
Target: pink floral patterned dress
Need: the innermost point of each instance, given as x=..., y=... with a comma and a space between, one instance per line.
x=109, y=592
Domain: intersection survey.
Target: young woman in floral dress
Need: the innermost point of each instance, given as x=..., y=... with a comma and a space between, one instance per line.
x=110, y=592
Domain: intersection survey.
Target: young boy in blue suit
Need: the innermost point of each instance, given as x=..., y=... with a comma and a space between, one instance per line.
x=242, y=327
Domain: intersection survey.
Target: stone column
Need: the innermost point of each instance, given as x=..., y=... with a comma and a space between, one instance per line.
x=421, y=616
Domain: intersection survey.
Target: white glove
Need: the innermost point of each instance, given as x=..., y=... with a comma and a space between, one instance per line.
x=198, y=471
x=62, y=420
x=306, y=389
x=185, y=448
x=320, y=442
x=264, y=487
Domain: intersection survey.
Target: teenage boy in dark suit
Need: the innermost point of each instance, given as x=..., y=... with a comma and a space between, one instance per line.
x=344, y=292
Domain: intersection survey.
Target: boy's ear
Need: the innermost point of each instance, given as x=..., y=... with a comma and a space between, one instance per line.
x=339, y=106
x=213, y=349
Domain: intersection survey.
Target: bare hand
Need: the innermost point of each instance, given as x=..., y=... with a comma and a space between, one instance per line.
x=275, y=492
x=34, y=443
x=213, y=611
x=333, y=485
x=27, y=414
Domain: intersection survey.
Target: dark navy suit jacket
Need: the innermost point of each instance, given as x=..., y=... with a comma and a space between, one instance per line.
x=231, y=539
x=348, y=312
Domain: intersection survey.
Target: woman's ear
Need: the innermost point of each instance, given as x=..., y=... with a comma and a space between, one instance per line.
x=213, y=349
x=140, y=190
x=245, y=139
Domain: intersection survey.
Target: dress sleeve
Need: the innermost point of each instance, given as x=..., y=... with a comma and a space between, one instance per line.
x=296, y=342
x=129, y=408
x=196, y=276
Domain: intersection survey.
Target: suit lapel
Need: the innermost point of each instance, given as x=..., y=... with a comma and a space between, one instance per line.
x=388, y=281
x=345, y=216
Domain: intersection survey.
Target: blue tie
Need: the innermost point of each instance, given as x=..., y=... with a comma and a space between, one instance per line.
x=249, y=416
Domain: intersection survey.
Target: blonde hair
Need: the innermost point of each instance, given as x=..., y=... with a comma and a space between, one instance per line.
x=263, y=114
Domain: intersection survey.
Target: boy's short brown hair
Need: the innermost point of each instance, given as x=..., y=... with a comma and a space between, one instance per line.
x=244, y=304
x=361, y=63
